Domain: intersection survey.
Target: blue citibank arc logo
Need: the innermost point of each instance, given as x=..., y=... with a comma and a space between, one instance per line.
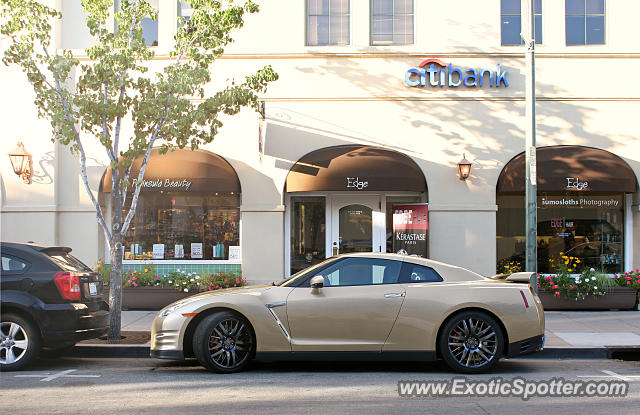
x=434, y=72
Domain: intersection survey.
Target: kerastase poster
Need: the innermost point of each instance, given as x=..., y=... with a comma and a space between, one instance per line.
x=410, y=225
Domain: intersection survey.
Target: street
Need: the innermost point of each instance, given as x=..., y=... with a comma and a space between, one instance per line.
x=143, y=385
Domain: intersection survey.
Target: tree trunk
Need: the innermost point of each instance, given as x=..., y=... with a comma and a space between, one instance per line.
x=115, y=288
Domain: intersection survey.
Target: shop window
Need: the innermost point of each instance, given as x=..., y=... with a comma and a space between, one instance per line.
x=176, y=225
x=584, y=22
x=185, y=11
x=327, y=22
x=588, y=227
x=391, y=22
x=511, y=21
x=308, y=231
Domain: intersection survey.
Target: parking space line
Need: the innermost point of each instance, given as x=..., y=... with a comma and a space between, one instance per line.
x=63, y=374
x=612, y=374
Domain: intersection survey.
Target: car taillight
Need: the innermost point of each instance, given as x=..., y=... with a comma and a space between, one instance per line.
x=68, y=284
x=524, y=298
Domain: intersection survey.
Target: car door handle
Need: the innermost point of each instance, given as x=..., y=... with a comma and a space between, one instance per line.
x=393, y=295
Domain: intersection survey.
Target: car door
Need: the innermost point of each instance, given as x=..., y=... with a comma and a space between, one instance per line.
x=354, y=311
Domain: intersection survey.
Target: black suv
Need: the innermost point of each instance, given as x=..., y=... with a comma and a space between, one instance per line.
x=48, y=298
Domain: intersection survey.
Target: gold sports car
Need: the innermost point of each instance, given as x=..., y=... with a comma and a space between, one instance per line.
x=370, y=306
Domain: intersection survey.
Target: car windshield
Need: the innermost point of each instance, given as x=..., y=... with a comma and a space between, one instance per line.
x=288, y=281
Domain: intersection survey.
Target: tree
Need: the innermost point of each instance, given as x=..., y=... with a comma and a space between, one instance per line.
x=93, y=100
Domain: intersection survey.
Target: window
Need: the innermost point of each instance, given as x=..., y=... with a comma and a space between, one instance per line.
x=391, y=202
x=185, y=11
x=198, y=225
x=13, y=265
x=418, y=273
x=584, y=23
x=511, y=20
x=590, y=228
x=327, y=22
x=307, y=231
x=358, y=271
x=391, y=22
x=68, y=262
x=149, y=27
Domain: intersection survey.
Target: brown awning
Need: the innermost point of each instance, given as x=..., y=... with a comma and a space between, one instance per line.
x=183, y=170
x=355, y=168
x=563, y=168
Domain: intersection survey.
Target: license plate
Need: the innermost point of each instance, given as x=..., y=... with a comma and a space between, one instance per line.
x=93, y=289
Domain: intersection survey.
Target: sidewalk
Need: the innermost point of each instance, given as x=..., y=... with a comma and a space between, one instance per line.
x=564, y=329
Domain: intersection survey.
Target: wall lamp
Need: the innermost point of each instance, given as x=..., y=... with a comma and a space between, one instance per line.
x=464, y=168
x=21, y=162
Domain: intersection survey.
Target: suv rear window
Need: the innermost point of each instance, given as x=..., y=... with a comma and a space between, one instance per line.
x=68, y=262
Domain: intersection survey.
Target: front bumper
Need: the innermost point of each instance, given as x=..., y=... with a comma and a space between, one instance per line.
x=526, y=346
x=167, y=354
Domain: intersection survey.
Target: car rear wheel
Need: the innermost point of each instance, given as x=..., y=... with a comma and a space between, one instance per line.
x=471, y=342
x=224, y=342
x=19, y=342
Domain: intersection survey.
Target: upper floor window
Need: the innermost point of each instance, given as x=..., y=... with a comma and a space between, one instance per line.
x=327, y=22
x=184, y=11
x=149, y=27
x=511, y=18
x=584, y=23
x=391, y=22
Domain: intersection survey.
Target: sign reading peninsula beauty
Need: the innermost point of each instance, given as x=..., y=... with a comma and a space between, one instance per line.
x=434, y=72
x=167, y=184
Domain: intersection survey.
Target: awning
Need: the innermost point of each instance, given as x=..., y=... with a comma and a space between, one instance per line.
x=568, y=168
x=355, y=168
x=183, y=170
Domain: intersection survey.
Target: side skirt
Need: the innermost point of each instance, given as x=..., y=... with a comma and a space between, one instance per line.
x=398, y=356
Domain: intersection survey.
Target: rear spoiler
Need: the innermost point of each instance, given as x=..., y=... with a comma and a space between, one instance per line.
x=48, y=249
x=521, y=277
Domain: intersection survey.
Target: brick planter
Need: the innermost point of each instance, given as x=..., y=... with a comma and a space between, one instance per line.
x=619, y=298
x=148, y=298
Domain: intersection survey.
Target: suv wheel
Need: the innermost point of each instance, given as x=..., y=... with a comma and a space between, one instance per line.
x=224, y=342
x=19, y=342
x=471, y=342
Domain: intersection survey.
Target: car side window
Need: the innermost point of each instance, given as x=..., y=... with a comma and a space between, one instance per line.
x=418, y=273
x=358, y=271
x=12, y=265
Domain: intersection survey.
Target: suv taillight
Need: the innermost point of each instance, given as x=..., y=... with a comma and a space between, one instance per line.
x=68, y=284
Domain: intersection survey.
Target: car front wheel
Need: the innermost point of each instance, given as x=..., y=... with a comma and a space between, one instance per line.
x=471, y=342
x=224, y=342
x=19, y=342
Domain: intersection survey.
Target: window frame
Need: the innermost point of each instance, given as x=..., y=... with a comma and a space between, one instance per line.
x=538, y=41
x=306, y=25
x=586, y=15
x=392, y=43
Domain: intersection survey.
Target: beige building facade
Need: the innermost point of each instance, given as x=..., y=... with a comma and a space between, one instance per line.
x=366, y=106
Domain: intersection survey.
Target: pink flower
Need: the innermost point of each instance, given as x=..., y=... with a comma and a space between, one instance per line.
x=571, y=287
x=637, y=269
x=546, y=278
x=555, y=287
x=218, y=274
x=237, y=280
x=135, y=285
x=628, y=282
x=556, y=293
x=128, y=271
x=226, y=280
x=157, y=277
x=134, y=278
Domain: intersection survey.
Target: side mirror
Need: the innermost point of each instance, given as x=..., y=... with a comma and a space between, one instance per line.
x=317, y=281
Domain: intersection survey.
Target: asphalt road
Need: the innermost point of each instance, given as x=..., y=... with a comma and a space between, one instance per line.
x=149, y=386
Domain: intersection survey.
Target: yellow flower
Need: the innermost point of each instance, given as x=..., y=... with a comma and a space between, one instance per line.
x=566, y=262
x=569, y=270
x=146, y=270
x=577, y=261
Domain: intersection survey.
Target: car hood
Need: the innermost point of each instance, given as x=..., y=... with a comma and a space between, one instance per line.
x=249, y=289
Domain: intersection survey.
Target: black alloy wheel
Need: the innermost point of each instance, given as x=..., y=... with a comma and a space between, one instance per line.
x=224, y=342
x=471, y=342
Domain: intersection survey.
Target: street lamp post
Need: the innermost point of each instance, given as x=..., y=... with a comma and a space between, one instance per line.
x=531, y=221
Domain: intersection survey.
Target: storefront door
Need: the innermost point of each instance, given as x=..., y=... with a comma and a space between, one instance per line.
x=357, y=224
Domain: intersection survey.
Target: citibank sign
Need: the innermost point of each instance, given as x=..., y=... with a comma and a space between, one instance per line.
x=434, y=72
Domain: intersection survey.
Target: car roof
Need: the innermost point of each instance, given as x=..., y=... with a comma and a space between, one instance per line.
x=21, y=246
x=450, y=273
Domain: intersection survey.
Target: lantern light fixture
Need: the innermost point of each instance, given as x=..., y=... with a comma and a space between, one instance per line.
x=21, y=162
x=464, y=168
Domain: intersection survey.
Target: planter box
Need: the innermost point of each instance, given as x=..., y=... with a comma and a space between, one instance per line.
x=148, y=298
x=619, y=298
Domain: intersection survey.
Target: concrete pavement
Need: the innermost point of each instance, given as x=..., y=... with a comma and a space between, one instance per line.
x=564, y=329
